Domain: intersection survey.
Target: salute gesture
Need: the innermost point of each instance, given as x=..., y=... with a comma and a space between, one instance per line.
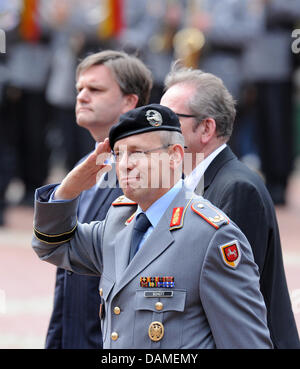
x=86, y=174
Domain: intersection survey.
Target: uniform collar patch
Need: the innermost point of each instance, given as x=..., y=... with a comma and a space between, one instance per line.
x=176, y=216
x=129, y=220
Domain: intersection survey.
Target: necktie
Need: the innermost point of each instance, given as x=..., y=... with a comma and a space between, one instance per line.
x=141, y=225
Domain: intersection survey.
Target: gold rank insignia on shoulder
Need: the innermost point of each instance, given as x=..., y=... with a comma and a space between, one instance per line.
x=231, y=254
x=157, y=282
x=210, y=214
x=122, y=200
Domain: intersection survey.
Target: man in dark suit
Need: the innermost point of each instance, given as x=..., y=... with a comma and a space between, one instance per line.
x=207, y=112
x=109, y=83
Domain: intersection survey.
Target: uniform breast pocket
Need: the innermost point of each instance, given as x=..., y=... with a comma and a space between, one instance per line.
x=159, y=318
x=105, y=287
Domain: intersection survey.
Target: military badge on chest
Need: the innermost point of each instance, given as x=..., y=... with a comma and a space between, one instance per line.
x=156, y=331
x=157, y=282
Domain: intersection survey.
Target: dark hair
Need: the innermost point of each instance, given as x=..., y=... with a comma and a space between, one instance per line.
x=132, y=75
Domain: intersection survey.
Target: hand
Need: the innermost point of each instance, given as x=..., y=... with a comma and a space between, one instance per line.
x=86, y=174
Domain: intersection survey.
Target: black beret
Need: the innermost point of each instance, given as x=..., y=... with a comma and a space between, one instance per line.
x=147, y=118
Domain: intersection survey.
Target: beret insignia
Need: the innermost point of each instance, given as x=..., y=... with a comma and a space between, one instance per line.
x=154, y=118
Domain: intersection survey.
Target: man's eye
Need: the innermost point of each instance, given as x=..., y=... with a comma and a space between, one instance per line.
x=136, y=154
x=97, y=89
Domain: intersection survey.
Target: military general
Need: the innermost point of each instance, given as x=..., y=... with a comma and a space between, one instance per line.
x=175, y=271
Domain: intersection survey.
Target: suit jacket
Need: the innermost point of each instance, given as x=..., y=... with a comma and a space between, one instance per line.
x=75, y=322
x=217, y=303
x=241, y=194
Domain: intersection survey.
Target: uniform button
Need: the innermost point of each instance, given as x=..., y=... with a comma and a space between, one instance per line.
x=117, y=310
x=101, y=292
x=114, y=336
x=159, y=306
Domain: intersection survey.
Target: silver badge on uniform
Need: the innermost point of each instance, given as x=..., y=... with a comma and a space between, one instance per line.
x=154, y=118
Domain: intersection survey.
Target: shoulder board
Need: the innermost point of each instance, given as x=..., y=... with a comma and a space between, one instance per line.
x=122, y=200
x=210, y=214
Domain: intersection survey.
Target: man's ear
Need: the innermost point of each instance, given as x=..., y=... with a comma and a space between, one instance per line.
x=129, y=102
x=208, y=129
x=176, y=156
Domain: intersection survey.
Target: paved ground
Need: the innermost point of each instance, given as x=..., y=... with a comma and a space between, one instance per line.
x=27, y=284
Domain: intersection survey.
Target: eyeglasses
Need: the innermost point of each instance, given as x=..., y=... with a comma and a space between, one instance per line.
x=135, y=155
x=185, y=115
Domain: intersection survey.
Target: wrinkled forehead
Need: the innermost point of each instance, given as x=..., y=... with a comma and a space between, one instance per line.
x=145, y=140
x=178, y=96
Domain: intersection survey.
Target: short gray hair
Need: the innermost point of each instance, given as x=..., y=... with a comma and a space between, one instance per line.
x=211, y=99
x=171, y=138
x=132, y=75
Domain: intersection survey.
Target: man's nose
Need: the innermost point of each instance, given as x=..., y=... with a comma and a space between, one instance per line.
x=126, y=162
x=83, y=95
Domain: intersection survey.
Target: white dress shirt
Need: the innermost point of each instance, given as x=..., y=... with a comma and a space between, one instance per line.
x=191, y=181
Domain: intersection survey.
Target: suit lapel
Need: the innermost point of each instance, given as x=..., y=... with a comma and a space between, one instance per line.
x=218, y=162
x=93, y=206
x=122, y=248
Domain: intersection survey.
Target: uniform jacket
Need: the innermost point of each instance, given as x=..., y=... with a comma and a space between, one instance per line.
x=241, y=194
x=214, y=302
x=75, y=322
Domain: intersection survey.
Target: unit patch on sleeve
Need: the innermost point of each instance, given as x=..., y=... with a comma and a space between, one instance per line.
x=231, y=254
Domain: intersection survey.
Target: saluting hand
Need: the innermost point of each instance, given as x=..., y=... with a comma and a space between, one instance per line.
x=86, y=174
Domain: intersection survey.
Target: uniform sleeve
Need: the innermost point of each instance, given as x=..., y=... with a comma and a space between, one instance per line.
x=60, y=240
x=230, y=294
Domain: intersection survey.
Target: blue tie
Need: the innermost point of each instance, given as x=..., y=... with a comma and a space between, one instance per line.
x=141, y=225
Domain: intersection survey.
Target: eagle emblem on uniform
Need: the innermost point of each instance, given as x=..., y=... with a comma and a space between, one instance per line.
x=156, y=331
x=154, y=118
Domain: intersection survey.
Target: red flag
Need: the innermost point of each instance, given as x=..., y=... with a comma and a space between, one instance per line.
x=29, y=25
x=114, y=22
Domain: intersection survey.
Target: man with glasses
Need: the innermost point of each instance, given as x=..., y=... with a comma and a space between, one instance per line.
x=175, y=272
x=207, y=111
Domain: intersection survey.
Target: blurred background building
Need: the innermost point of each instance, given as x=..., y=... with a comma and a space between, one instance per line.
x=248, y=43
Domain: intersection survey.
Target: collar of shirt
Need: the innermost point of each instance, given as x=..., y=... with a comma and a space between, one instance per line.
x=191, y=181
x=158, y=208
